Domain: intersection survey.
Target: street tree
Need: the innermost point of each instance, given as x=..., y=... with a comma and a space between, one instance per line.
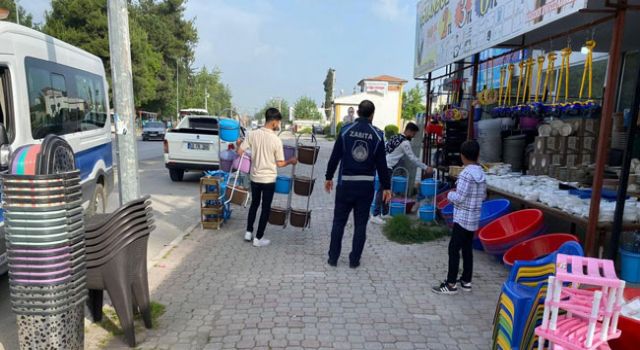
x=413, y=103
x=83, y=23
x=26, y=19
x=306, y=109
x=328, y=92
x=279, y=103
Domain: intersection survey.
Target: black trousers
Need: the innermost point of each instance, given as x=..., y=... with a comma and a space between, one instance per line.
x=461, y=239
x=356, y=197
x=260, y=192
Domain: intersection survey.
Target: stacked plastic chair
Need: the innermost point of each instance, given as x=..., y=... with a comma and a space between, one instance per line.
x=521, y=302
x=117, y=262
x=591, y=318
x=44, y=231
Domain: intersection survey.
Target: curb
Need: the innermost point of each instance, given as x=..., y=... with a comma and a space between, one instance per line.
x=176, y=241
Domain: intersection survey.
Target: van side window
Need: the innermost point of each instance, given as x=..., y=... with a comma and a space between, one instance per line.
x=5, y=102
x=63, y=100
x=91, y=91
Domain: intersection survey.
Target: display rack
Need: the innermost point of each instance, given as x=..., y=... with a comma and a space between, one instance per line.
x=234, y=192
x=211, y=205
x=302, y=185
x=279, y=215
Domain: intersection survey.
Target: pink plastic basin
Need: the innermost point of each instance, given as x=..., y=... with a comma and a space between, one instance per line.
x=537, y=247
x=511, y=227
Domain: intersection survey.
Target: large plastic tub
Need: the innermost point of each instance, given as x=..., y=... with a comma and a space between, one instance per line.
x=283, y=184
x=503, y=233
x=493, y=209
x=537, y=247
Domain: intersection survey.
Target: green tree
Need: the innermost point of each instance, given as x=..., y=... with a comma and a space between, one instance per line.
x=413, y=103
x=26, y=19
x=281, y=104
x=175, y=38
x=306, y=109
x=83, y=23
x=328, y=91
x=219, y=95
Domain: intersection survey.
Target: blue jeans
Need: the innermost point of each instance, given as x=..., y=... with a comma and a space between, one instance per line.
x=356, y=197
x=380, y=208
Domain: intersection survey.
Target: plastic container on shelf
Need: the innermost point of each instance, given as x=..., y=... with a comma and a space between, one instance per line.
x=397, y=208
x=289, y=152
x=427, y=213
x=399, y=184
x=409, y=203
x=242, y=163
x=229, y=130
x=283, y=184
x=428, y=187
x=493, y=209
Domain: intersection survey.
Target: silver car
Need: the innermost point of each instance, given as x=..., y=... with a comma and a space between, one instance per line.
x=153, y=131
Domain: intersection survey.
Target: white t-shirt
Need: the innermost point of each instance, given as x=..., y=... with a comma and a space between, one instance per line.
x=266, y=150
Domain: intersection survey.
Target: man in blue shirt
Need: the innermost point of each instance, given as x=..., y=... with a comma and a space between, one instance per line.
x=360, y=151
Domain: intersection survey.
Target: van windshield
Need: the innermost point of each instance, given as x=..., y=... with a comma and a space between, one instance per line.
x=201, y=123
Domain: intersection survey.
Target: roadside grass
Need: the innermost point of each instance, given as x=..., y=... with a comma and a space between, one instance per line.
x=404, y=230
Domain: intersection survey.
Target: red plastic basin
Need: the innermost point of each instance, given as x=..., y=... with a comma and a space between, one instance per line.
x=537, y=247
x=442, y=203
x=511, y=227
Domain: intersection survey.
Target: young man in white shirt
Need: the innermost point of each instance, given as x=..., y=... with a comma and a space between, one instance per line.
x=397, y=147
x=267, y=155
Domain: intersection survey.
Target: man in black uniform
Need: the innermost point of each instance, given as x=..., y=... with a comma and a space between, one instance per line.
x=360, y=151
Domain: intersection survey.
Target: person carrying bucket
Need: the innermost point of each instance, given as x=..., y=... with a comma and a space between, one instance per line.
x=467, y=198
x=267, y=155
x=360, y=151
x=397, y=147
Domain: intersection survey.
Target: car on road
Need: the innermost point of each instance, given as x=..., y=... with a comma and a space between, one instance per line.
x=153, y=130
x=50, y=87
x=318, y=129
x=193, y=145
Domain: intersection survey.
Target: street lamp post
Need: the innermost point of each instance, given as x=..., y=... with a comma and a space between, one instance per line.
x=17, y=11
x=177, y=90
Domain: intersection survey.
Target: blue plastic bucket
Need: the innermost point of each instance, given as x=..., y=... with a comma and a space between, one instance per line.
x=428, y=187
x=630, y=266
x=396, y=209
x=427, y=213
x=399, y=184
x=283, y=184
x=493, y=209
x=229, y=130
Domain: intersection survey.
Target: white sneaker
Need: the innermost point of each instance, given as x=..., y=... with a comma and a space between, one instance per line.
x=248, y=236
x=261, y=242
x=378, y=220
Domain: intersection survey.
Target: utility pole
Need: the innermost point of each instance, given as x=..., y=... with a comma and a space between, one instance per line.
x=177, y=91
x=206, y=96
x=122, y=80
x=17, y=11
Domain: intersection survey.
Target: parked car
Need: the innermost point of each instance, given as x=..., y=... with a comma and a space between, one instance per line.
x=318, y=129
x=50, y=87
x=193, y=145
x=153, y=130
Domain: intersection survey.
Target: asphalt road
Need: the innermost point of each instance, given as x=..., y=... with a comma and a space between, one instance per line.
x=176, y=209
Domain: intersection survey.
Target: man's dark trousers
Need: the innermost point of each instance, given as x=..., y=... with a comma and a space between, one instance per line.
x=350, y=196
x=264, y=192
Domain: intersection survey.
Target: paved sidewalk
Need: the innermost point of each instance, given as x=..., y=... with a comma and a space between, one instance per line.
x=222, y=293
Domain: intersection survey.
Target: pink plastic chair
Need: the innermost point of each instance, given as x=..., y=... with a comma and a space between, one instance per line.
x=592, y=315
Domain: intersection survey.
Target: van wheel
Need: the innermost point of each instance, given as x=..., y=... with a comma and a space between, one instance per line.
x=98, y=204
x=176, y=174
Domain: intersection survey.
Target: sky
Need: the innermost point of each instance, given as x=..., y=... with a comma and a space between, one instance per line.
x=283, y=48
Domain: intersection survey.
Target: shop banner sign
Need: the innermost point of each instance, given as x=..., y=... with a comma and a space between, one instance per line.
x=451, y=30
x=380, y=87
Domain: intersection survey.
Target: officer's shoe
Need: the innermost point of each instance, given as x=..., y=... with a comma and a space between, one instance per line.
x=354, y=264
x=378, y=220
x=333, y=263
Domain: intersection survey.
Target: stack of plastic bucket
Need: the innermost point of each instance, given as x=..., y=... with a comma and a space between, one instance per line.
x=491, y=210
x=46, y=249
x=229, y=130
x=505, y=232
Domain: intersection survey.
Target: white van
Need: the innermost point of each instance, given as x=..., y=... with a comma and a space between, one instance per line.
x=50, y=87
